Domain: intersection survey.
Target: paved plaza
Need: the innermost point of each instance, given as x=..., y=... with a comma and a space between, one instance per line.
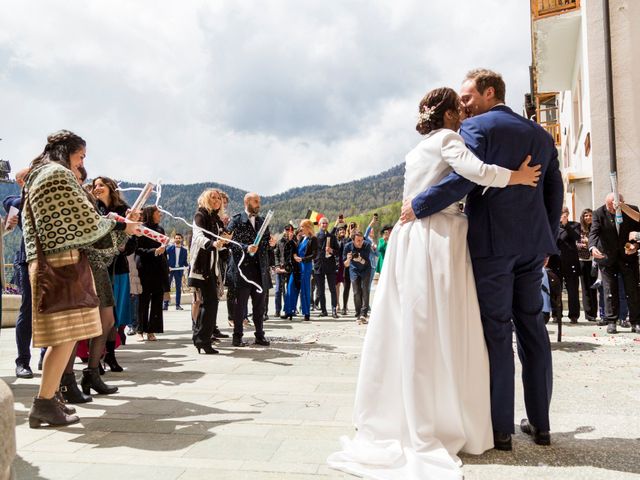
x=276, y=413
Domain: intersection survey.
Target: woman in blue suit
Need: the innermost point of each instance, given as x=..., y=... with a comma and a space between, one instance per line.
x=300, y=283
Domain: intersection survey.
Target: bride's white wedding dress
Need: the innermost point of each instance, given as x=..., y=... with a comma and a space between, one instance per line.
x=423, y=387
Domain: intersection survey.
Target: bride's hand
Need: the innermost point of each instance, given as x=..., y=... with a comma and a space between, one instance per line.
x=526, y=174
x=407, y=214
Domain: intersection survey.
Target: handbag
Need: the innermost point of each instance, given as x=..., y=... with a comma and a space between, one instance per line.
x=69, y=287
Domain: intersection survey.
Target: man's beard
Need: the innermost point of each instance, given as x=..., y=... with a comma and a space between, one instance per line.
x=253, y=210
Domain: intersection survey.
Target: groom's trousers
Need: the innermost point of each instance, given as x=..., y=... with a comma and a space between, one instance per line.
x=509, y=289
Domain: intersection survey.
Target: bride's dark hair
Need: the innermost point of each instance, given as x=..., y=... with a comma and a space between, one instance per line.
x=433, y=107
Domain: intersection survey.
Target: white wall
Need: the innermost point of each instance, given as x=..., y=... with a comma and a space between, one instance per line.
x=626, y=73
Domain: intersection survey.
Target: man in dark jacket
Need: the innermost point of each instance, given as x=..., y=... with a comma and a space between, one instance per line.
x=607, y=245
x=325, y=267
x=567, y=264
x=255, y=279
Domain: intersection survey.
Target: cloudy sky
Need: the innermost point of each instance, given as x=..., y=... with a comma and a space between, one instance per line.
x=262, y=95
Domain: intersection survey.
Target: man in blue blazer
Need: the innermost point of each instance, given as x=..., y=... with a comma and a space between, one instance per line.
x=178, y=263
x=511, y=230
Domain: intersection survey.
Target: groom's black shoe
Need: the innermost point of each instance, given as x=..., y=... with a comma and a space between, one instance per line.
x=502, y=441
x=541, y=438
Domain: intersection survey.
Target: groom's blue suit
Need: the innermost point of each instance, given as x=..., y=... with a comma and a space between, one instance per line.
x=510, y=232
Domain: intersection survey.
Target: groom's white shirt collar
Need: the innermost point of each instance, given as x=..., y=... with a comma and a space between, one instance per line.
x=502, y=104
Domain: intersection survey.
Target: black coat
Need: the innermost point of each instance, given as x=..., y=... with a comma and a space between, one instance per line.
x=568, y=236
x=322, y=263
x=243, y=232
x=202, y=264
x=605, y=237
x=153, y=269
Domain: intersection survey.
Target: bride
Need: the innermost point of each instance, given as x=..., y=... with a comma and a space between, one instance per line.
x=423, y=387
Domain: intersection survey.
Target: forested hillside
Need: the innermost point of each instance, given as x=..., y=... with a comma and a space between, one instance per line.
x=350, y=198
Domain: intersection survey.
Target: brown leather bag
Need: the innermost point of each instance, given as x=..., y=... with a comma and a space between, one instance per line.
x=69, y=287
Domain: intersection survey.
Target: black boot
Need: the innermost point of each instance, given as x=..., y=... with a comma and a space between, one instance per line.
x=208, y=349
x=70, y=391
x=63, y=404
x=218, y=334
x=110, y=357
x=48, y=410
x=91, y=379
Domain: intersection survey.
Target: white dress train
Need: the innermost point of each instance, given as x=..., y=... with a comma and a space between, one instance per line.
x=423, y=386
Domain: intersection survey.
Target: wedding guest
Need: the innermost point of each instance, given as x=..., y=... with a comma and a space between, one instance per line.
x=153, y=271
x=135, y=289
x=23, y=322
x=282, y=275
x=325, y=267
x=609, y=248
x=340, y=235
x=205, y=274
x=357, y=260
x=306, y=251
x=51, y=187
x=254, y=280
x=108, y=199
x=568, y=269
x=350, y=233
x=369, y=237
x=382, y=245
x=178, y=263
x=587, y=277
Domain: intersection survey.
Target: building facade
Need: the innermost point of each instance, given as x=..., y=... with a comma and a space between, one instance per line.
x=569, y=94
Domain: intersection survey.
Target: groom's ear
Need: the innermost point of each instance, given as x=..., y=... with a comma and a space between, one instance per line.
x=489, y=93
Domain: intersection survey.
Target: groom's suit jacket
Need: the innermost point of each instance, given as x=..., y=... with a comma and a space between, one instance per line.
x=504, y=221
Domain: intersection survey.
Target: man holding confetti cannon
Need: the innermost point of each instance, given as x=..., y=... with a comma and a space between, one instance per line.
x=248, y=267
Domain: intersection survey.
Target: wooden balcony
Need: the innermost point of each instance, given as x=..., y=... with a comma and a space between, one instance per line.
x=548, y=8
x=554, y=131
x=547, y=114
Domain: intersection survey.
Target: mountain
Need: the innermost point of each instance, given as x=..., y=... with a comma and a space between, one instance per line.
x=349, y=198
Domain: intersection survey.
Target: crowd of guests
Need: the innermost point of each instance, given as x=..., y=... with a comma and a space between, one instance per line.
x=89, y=278
x=599, y=256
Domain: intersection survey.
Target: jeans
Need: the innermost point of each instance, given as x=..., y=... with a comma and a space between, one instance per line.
x=281, y=287
x=361, y=288
x=23, y=322
x=176, y=275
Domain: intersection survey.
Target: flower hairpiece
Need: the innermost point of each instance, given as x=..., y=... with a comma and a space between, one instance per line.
x=425, y=116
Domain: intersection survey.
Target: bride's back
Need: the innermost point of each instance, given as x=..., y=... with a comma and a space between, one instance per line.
x=424, y=164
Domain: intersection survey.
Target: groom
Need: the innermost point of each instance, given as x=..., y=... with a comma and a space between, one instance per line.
x=511, y=230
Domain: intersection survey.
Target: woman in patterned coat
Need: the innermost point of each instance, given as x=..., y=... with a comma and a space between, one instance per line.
x=59, y=215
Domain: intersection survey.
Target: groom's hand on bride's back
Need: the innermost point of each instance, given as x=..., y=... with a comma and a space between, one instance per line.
x=526, y=174
x=407, y=214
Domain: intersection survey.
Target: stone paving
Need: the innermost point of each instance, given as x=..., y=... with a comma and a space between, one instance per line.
x=276, y=413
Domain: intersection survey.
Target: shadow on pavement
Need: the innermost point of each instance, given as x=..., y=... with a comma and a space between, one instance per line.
x=569, y=346
x=23, y=469
x=566, y=450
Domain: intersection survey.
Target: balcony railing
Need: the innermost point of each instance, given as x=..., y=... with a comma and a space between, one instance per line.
x=547, y=114
x=554, y=131
x=548, y=8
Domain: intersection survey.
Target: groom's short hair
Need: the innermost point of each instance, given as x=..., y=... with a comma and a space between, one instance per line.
x=485, y=78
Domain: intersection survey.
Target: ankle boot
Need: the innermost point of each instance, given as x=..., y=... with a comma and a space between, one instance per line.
x=48, y=410
x=70, y=391
x=110, y=357
x=63, y=404
x=91, y=379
